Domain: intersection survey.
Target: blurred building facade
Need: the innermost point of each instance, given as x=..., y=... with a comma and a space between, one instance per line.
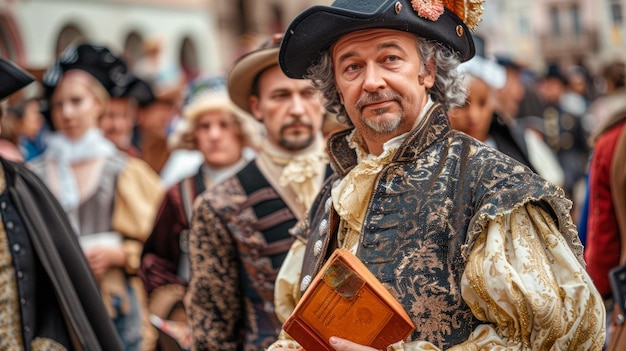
x=208, y=35
x=566, y=32
x=192, y=36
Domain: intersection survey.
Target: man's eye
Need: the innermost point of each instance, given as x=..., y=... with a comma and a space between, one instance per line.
x=392, y=58
x=352, y=67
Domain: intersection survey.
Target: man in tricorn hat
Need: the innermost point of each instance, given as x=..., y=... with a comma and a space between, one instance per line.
x=480, y=251
x=50, y=300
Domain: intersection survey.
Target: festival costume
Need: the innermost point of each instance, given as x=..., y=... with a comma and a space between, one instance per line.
x=50, y=300
x=239, y=239
x=603, y=238
x=119, y=212
x=481, y=251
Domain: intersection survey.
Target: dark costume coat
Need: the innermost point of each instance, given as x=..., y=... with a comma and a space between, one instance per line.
x=61, y=300
x=238, y=241
x=162, y=251
x=428, y=206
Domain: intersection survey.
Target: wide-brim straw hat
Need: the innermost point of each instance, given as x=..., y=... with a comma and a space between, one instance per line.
x=317, y=28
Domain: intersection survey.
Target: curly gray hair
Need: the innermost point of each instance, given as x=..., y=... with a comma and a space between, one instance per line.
x=449, y=88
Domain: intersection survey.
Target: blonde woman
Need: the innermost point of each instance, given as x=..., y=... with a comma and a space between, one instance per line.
x=110, y=198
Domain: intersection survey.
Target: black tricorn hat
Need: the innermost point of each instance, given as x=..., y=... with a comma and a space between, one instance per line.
x=136, y=89
x=317, y=28
x=98, y=61
x=12, y=78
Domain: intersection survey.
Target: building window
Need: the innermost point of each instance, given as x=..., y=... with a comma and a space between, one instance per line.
x=524, y=27
x=616, y=14
x=69, y=35
x=554, y=20
x=133, y=49
x=577, y=26
x=189, y=59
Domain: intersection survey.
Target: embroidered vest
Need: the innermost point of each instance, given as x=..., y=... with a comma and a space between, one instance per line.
x=259, y=222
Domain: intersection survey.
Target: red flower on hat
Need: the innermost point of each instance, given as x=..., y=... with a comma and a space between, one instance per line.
x=429, y=9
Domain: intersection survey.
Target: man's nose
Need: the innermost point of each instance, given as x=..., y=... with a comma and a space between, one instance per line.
x=297, y=105
x=373, y=80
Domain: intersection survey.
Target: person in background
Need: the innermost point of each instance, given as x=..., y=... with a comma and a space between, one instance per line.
x=239, y=232
x=157, y=118
x=9, y=137
x=119, y=120
x=494, y=92
x=564, y=132
x=215, y=127
x=30, y=125
x=49, y=299
x=606, y=217
x=481, y=251
x=610, y=103
x=110, y=198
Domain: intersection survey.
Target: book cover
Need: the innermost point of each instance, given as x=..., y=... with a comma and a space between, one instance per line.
x=346, y=300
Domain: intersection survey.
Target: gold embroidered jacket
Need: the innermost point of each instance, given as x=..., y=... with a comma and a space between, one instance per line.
x=481, y=251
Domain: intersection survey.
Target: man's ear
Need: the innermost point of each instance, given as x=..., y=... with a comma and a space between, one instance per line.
x=254, y=107
x=427, y=78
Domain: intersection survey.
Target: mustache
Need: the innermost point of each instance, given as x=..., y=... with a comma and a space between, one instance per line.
x=294, y=122
x=372, y=98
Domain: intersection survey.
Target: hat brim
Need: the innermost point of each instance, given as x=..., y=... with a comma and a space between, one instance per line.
x=316, y=29
x=245, y=71
x=12, y=78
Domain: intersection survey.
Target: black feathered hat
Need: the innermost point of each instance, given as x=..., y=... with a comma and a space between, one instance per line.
x=136, y=89
x=12, y=78
x=317, y=28
x=109, y=70
x=98, y=61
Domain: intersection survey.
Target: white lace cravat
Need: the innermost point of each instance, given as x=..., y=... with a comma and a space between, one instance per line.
x=65, y=152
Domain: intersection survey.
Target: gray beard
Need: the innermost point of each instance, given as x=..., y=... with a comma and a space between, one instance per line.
x=384, y=127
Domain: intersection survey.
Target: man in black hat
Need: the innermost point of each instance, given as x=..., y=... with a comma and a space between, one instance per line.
x=480, y=251
x=50, y=300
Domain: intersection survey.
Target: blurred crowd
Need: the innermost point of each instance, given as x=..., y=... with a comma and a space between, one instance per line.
x=127, y=155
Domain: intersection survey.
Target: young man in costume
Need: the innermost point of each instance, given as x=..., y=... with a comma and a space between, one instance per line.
x=239, y=231
x=50, y=300
x=480, y=251
x=225, y=136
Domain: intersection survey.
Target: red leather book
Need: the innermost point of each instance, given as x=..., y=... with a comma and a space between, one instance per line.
x=346, y=300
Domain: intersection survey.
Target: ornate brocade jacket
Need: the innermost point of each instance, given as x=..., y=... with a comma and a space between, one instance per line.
x=428, y=208
x=238, y=241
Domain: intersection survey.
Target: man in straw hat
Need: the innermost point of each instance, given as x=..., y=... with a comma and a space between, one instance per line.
x=50, y=300
x=480, y=251
x=239, y=232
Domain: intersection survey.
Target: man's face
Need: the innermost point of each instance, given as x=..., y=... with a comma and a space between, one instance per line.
x=381, y=82
x=510, y=96
x=117, y=122
x=155, y=118
x=290, y=109
x=474, y=118
x=219, y=138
